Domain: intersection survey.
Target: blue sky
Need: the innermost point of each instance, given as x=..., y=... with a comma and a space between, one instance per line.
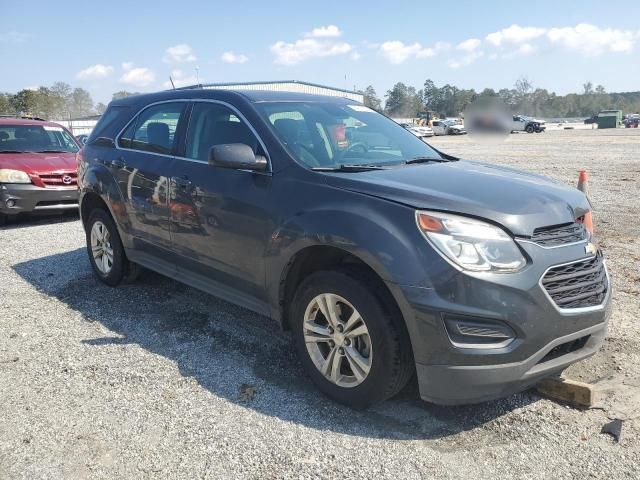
x=135, y=46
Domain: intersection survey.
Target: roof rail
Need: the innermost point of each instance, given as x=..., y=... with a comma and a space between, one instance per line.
x=24, y=117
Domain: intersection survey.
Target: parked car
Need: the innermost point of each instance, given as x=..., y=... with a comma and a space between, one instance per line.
x=37, y=167
x=522, y=123
x=447, y=127
x=388, y=264
x=420, y=132
x=631, y=121
x=590, y=120
x=82, y=138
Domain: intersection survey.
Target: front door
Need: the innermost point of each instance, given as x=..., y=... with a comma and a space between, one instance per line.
x=142, y=168
x=220, y=217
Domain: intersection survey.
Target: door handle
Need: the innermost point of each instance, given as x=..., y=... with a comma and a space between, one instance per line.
x=118, y=163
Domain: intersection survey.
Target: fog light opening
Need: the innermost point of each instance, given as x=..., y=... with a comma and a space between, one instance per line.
x=478, y=333
x=10, y=203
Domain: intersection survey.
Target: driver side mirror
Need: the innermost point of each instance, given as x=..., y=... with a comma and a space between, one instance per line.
x=238, y=156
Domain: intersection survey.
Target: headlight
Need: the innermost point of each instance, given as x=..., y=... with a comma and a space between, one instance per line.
x=13, y=176
x=471, y=244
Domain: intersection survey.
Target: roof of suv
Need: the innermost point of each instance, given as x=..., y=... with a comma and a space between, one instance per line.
x=219, y=94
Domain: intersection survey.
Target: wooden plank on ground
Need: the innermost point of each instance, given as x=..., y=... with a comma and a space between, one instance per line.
x=573, y=392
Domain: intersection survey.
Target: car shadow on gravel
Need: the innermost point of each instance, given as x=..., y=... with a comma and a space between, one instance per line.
x=236, y=354
x=27, y=221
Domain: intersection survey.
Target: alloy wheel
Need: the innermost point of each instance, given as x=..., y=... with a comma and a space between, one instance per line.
x=337, y=340
x=101, y=248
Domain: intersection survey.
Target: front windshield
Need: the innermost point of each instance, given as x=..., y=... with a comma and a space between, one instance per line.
x=35, y=138
x=326, y=135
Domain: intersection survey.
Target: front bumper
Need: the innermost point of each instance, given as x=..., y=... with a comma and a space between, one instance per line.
x=28, y=198
x=547, y=339
x=463, y=384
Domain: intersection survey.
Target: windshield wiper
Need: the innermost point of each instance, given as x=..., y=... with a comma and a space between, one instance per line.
x=52, y=151
x=12, y=151
x=348, y=168
x=424, y=160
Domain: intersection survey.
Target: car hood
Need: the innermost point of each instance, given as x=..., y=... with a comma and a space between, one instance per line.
x=39, y=163
x=517, y=200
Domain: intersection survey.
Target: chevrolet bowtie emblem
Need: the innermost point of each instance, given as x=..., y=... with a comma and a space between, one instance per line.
x=590, y=248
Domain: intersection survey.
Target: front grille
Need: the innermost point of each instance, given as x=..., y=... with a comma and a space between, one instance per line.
x=57, y=180
x=559, y=234
x=579, y=284
x=565, y=348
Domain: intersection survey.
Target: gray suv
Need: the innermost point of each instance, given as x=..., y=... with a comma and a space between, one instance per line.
x=390, y=261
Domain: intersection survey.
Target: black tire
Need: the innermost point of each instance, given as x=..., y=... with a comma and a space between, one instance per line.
x=3, y=219
x=392, y=360
x=529, y=129
x=122, y=269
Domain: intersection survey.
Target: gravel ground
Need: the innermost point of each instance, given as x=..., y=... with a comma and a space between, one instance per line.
x=156, y=379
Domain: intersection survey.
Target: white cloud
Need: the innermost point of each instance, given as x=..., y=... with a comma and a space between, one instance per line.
x=307, y=48
x=95, y=71
x=179, y=54
x=514, y=34
x=591, y=40
x=31, y=87
x=330, y=31
x=230, y=57
x=136, y=76
x=526, y=49
x=397, y=52
x=466, y=59
x=469, y=45
x=356, y=56
x=181, y=79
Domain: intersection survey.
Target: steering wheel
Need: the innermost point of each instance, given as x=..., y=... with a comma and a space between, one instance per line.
x=359, y=147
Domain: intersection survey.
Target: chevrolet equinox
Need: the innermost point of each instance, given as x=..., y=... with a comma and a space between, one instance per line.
x=389, y=260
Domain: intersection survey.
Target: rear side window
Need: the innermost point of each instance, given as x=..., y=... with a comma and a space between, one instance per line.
x=215, y=124
x=154, y=130
x=107, y=118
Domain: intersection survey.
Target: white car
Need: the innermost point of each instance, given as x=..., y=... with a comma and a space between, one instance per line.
x=522, y=123
x=447, y=127
x=421, y=131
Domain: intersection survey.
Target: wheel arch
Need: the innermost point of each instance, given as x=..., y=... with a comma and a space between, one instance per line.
x=316, y=258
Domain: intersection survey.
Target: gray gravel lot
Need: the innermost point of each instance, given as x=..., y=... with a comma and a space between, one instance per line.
x=157, y=380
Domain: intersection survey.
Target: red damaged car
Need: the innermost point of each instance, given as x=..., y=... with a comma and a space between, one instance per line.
x=37, y=167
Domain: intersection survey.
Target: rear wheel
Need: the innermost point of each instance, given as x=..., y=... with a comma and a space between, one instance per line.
x=106, y=253
x=351, y=344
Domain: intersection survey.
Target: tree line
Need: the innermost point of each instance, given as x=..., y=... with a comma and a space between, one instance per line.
x=60, y=101
x=404, y=101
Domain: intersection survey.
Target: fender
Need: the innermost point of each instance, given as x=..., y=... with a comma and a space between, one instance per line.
x=382, y=234
x=99, y=180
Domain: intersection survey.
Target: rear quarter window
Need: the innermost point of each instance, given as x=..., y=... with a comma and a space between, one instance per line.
x=109, y=119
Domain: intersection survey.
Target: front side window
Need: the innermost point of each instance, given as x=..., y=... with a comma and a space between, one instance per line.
x=154, y=130
x=215, y=124
x=327, y=134
x=36, y=138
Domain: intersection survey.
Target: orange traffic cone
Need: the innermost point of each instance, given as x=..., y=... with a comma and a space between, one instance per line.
x=583, y=186
x=583, y=182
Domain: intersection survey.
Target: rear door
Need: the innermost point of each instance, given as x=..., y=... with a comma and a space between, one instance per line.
x=220, y=216
x=145, y=151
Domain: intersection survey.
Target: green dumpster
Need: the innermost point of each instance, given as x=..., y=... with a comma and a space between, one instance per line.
x=609, y=119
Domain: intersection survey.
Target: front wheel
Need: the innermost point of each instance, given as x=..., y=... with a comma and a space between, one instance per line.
x=529, y=129
x=353, y=346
